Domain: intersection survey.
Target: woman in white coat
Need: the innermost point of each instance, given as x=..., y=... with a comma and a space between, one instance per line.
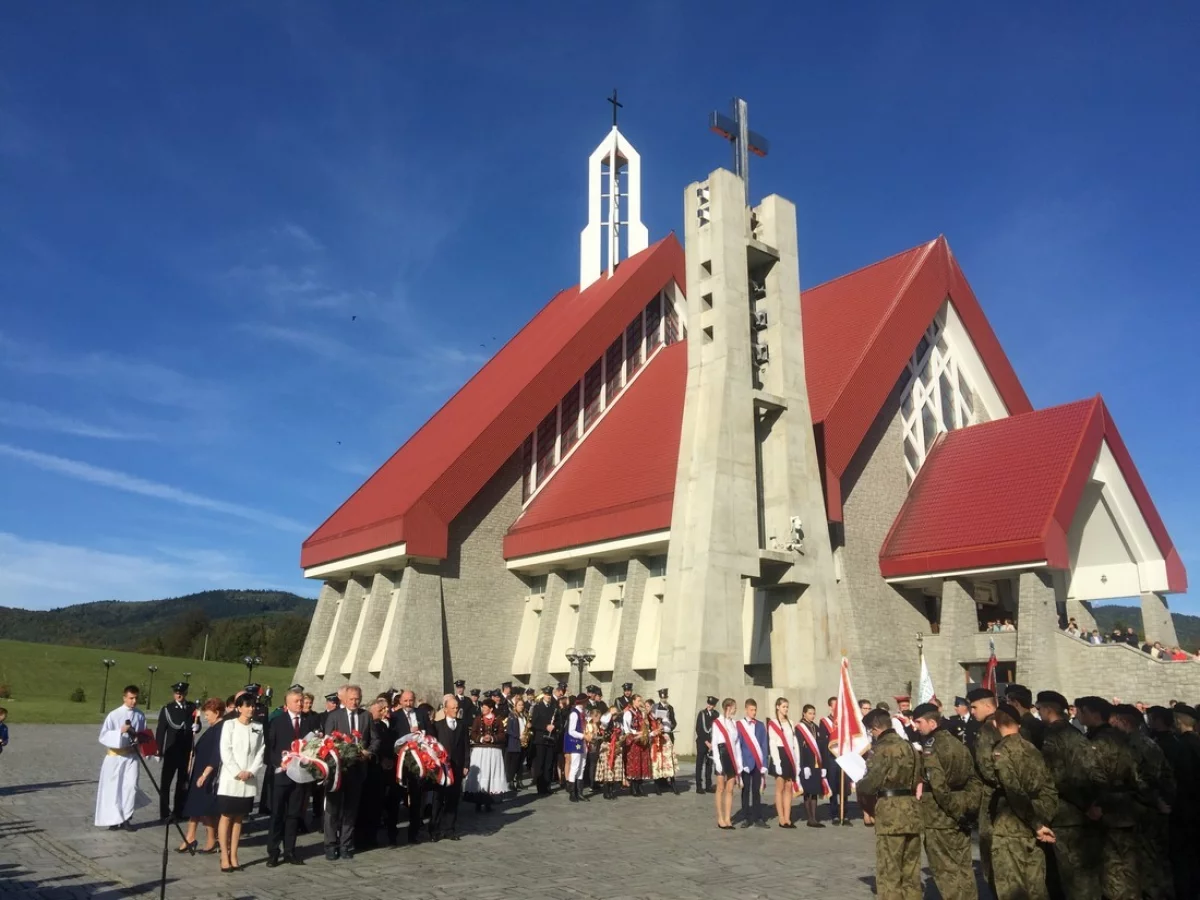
x=242, y=744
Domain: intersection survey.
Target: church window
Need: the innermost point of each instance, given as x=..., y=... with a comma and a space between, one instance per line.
x=545, y=445
x=614, y=573
x=614, y=363
x=591, y=393
x=653, y=323
x=527, y=468
x=671, y=327
x=569, y=427
x=537, y=585
x=937, y=396
x=633, y=347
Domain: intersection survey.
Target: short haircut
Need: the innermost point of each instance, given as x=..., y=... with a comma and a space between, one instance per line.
x=877, y=718
x=292, y=693
x=728, y=703
x=346, y=688
x=830, y=700
x=446, y=698
x=864, y=702
x=807, y=707
x=750, y=701
x=131, y=689
x=246, y=699
x=231, y=699
x=214, y=705
x=3, y=711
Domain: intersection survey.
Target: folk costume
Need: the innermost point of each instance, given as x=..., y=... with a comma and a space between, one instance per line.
x=663, y=761
x=610, y=762
x=575, y=748
x=117, y=794
x=485, y=777
x=637, y=748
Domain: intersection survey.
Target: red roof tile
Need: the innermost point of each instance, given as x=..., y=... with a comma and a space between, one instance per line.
x=859, y=331
x=621, y=480
x=427, y=482
x=1006, y=492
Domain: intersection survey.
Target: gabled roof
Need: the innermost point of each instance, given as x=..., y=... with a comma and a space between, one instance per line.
x=621, y=480
x=859, y=331
x=414, y=496
x=1006, y=492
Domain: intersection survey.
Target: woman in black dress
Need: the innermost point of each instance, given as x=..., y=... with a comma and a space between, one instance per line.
x=812, y=776
x=200, y=808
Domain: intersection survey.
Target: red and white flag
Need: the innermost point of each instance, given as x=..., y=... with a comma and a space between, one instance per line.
x=852, y=737
x=989, y=674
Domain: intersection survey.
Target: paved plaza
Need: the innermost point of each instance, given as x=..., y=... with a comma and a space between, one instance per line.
x=528, y=849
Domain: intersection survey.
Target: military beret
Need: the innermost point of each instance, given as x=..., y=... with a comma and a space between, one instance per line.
x=1019, y=693
x=662, y=692
x=180, y=687
x=960, y=701
x=1009, y=710
x=925, y=711
x=1128, y=711
x=460, y=683
x=1098, y=705
x=711, y=700
x=1052, y=698
x=980, y=694
x=627, y=686
x=331, y=698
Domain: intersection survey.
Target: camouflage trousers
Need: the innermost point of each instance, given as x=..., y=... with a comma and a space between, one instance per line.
x=1077, y=853
x=1154, y=865
x=898, y=866
x=985, y=843
x=1019, y=867
x=1119, y=862
x=949, y=852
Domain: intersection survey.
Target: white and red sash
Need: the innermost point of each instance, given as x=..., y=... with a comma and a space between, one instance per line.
x=811, y=740
x=747, y=736
x=787, y=748
x=734, y=755
x=830, y=726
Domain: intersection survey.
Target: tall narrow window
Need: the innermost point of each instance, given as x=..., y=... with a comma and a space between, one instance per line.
x=671, y=330
x=569, y=426
x=653, y=320
x=545, y=445
x=527, y=468
x=614, y=360
x=633, y=347
x=936, y=397
x=591, y=394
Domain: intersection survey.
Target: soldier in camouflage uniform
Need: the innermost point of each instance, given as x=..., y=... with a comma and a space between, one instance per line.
x=1116, y=771
x=983, y=705
x=1068, y=756
x=1155, y=797
x=893, y=778
x=1021, y=699
x=949, y=803
x=1022, y=809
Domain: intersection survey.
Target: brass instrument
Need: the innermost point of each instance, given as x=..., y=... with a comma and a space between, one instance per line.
x=527, y=732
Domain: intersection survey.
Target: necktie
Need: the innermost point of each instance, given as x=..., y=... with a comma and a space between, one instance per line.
x=296, y=726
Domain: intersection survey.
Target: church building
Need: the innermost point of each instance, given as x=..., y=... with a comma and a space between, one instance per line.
x=685, y=472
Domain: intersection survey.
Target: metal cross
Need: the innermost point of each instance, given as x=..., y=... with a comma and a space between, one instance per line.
x=737, y=131
x=615, y=105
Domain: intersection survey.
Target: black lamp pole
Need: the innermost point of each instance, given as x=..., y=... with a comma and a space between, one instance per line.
x=579, y=658
x=108, y=664
x=251, y=662
x=150, y=693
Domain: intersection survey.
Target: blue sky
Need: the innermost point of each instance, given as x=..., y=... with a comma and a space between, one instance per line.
x=195, y=199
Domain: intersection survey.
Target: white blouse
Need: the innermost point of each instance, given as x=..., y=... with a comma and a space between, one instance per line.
x=241, y=751
x=718, y=740
x=775, y=744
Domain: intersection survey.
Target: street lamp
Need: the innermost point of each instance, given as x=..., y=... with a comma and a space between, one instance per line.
x=579, y=658
x=108, y=664
x=250, y=662
x=150, y=693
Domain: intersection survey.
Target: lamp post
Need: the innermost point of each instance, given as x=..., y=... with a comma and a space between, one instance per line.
x=579, y=658
x=150, y=693
x=250, y=662
x=108, y=664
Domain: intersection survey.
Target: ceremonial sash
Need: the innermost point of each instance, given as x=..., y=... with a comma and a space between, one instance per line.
x=787, y=748
x=811, y=740
x=730, y=745
x=748, y=737
x=830, y=726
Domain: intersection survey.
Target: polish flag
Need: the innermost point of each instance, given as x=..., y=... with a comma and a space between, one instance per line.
x=989, y=674
x=852, y=737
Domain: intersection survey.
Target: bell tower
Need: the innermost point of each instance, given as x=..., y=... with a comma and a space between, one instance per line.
x=749, y=547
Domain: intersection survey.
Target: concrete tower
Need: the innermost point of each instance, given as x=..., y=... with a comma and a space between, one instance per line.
x=749, y=540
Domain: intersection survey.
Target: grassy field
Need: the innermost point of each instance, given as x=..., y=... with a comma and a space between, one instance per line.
x=41, y=678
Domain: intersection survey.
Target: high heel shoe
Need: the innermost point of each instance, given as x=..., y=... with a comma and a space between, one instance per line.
x=215, y=848
x=188, y=847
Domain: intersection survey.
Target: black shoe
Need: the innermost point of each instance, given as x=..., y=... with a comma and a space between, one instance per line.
x=815, y=824
x=347, y=855
x=331, y=855
x=699, y=790
x=710, y=789
x=846, y=823
x=835, y=821
x=584, y=797
x=761, y=823
x=293, y=860
x=127, y=825
x=452, y=837
x=114, y=827
x=747, y=823
x=272, y=862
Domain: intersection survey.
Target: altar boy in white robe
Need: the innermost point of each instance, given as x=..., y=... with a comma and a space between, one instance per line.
x=117, y=794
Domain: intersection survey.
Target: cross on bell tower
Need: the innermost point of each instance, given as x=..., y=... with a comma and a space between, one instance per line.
x=737, y=132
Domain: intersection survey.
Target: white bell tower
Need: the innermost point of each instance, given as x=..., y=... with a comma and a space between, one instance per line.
x=614, y=174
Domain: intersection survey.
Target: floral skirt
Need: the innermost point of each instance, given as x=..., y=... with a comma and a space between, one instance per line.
x=486, y=774
x=610, y=767
x=662, y=759
x=637, y=761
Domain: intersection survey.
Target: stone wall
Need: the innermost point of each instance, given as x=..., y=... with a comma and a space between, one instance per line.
x=1118, y=670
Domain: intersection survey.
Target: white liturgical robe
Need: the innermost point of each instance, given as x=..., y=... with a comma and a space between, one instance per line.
x=117, y=794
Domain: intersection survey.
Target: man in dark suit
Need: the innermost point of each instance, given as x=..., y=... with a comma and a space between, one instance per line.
x=545, y=736
x=405, y=720
x=174, y=735
x=288, y=798
x=455, y=736
x=341, y=806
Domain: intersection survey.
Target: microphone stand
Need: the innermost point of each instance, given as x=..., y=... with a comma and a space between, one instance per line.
x=162, y=886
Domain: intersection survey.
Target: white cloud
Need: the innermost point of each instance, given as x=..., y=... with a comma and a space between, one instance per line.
x=300, y=236
x=34, y=418
x=46, y=575
x=134, y=485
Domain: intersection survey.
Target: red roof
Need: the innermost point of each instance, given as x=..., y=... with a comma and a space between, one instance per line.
x=621, y=480
x=416, y=494
x=1006, y=492
x=859, y=331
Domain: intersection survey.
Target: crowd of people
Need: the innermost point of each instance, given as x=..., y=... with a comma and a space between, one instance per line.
x=1155, y=649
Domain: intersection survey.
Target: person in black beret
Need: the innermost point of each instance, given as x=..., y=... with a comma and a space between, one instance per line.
x=177, y=726
x=981, y=741
x=704, y=757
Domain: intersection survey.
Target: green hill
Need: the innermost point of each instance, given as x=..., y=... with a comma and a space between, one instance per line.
x=218, y=625
x=37, y=681
x=1110, y=617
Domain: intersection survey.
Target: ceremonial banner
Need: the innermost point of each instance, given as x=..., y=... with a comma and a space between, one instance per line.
x=925, y=691
x=989, y=675
x=852, y=737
